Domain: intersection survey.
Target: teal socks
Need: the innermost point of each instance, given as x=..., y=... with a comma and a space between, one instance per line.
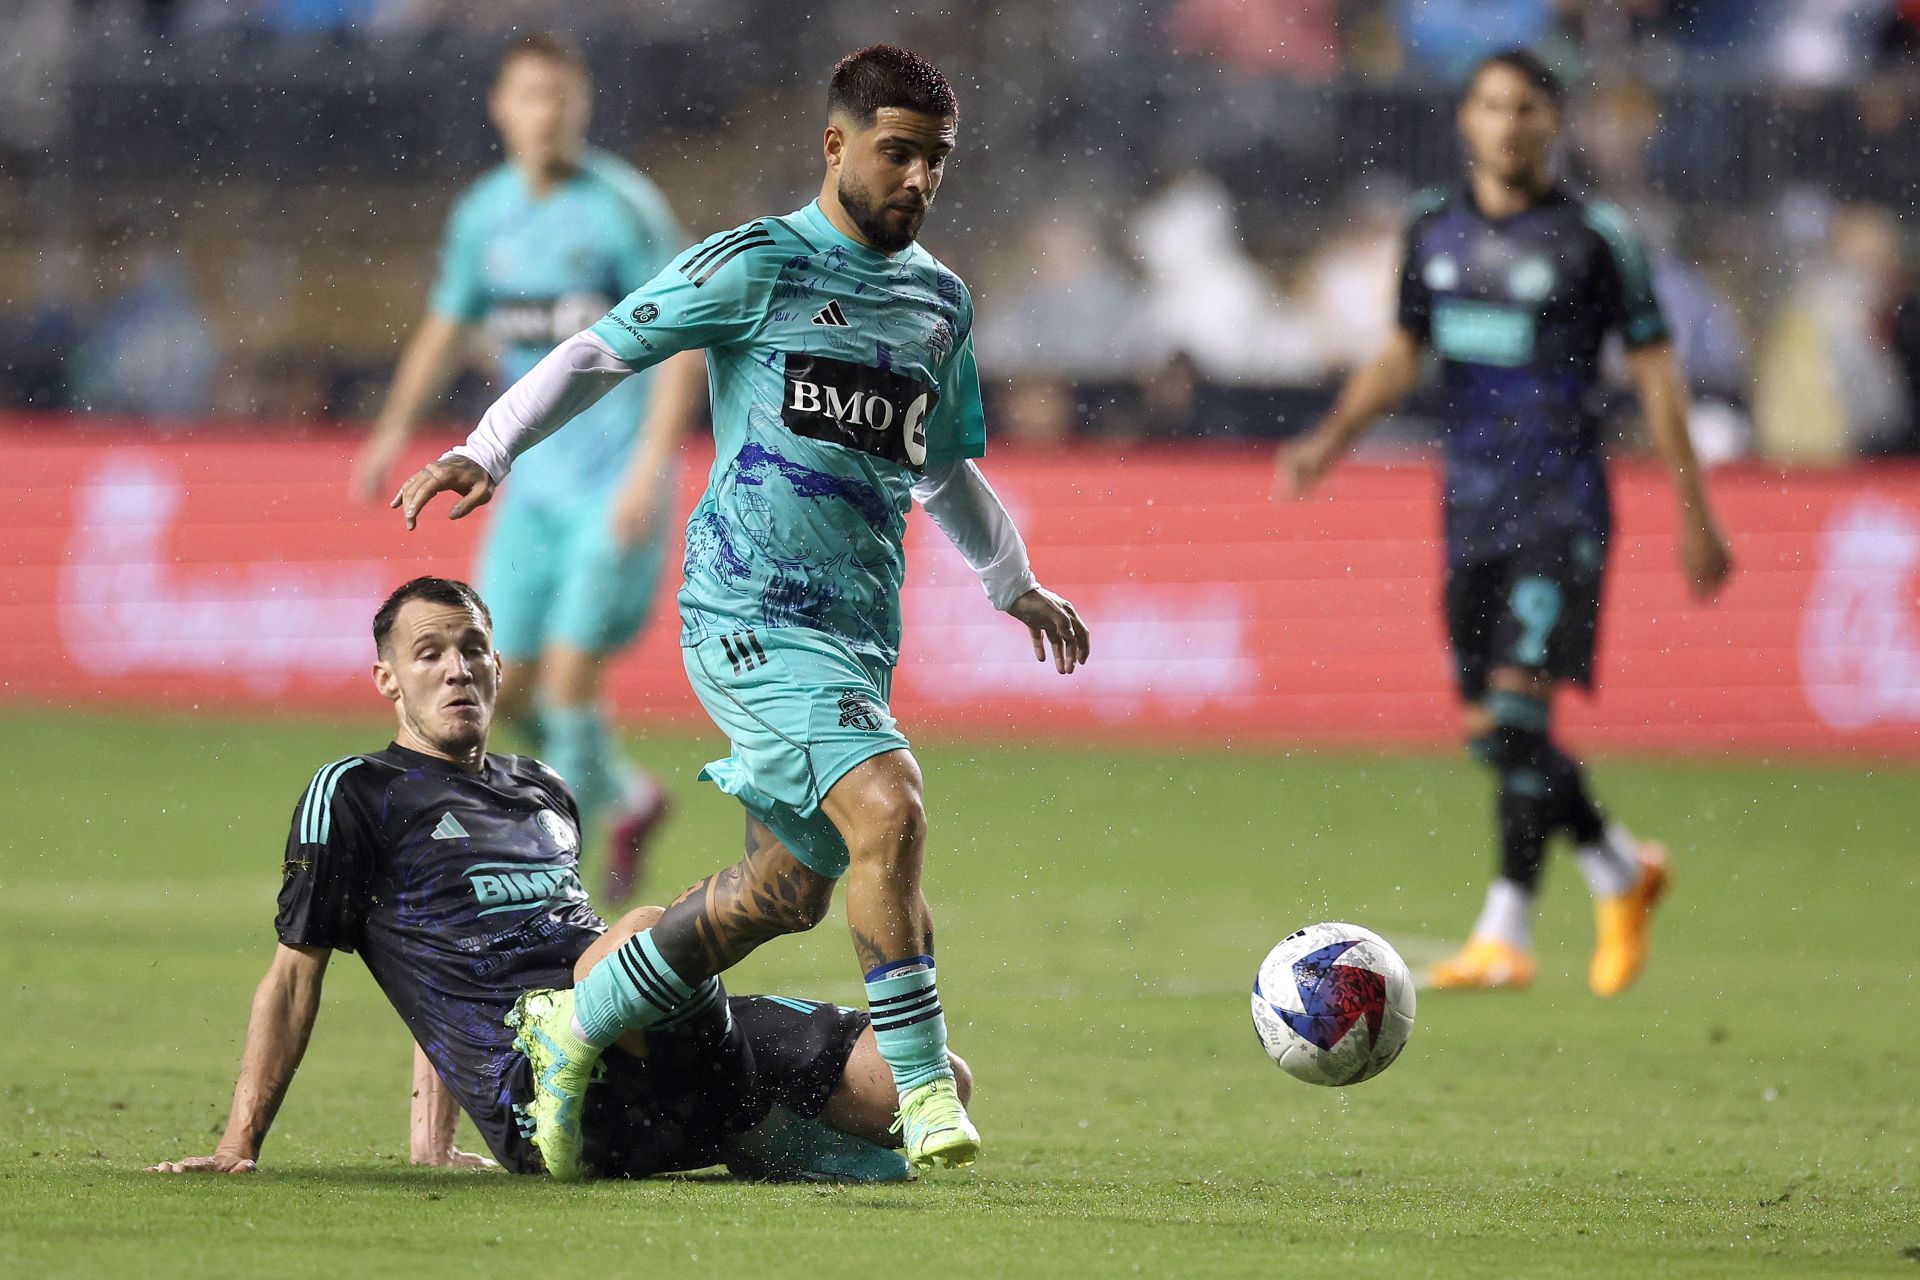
x=634, y=989
x=908, y=1024
x=579, y=749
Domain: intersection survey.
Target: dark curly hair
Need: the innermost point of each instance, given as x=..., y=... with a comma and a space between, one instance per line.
x=883, y=75
x=447, y=591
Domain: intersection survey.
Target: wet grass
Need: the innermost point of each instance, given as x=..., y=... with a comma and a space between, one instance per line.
x=1750, y=1109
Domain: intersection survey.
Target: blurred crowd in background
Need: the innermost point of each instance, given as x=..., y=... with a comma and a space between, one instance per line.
x=1180, y=218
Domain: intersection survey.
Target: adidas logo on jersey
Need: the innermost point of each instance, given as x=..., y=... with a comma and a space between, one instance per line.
x=831, y=316
x=450, y=829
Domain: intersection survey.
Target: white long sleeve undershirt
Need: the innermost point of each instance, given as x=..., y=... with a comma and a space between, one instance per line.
x=568, y=381
x=969, y=512
x=575, y=374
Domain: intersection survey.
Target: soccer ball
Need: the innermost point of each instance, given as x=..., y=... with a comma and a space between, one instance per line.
x=1333, y=1004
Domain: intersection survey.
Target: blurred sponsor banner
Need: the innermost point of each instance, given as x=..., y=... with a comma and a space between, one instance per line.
x=220, y=570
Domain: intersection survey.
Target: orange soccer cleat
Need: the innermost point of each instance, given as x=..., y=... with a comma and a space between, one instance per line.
x=1484, y=964
x=1620, y=926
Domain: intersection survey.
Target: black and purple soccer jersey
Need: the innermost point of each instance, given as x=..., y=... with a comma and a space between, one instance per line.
x=458, y=889
x=1517, y=309
x=461, y=890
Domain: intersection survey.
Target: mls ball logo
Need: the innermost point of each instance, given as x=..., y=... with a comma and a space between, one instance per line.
x=1333, y=997
x=559, y=830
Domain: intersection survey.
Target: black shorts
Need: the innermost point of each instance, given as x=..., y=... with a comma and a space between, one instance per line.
x=696, y=1087
x=1537, y=609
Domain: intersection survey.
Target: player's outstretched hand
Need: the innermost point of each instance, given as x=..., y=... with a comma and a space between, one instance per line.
x=461, y=475
x=1706, y=560
x=1302, y=464
x=1050, y=619
x=455, y=1158
x=218, y=1162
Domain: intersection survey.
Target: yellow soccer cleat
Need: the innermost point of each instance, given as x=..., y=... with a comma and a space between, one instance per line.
x=1484, y=964
x=934, y=1127
x=1620, y=926
x=562, y=1068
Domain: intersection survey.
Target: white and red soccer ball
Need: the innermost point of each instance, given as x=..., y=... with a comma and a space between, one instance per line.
x=1333, y=1004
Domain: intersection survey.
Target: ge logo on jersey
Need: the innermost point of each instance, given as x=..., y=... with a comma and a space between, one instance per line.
x=646, y=313
x=559, y=830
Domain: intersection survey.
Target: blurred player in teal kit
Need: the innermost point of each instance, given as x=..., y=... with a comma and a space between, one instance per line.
x=844, y=390
x=535, y=251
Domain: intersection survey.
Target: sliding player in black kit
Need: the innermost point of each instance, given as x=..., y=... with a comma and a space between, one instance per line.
x=453, y=873
x=1514, y=283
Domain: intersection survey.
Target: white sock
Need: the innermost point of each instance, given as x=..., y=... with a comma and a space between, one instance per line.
x=1507, y=916
x=1611, y=864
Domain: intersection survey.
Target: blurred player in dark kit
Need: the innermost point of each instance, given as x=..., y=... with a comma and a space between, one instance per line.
x=1514, y=283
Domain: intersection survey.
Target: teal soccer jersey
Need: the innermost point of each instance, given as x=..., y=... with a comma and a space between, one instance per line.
x=532, y=271
x=838, y=374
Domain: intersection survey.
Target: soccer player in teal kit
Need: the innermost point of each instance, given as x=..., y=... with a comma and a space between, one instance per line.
x=843, y=382
x=535, y=251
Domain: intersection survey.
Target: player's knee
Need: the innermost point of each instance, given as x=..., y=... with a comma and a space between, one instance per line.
x=892, y=832
x=570, y=677
x=1475, y=724
x=635, y=922
x=962, y=1076
x=809, y=906
x=901, y=822
x=1524, y=681
x=515, y=701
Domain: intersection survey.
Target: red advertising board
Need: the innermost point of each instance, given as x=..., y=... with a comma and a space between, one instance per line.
x=225, y=570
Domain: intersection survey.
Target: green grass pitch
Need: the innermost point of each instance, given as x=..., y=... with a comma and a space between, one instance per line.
x=1750, y=1109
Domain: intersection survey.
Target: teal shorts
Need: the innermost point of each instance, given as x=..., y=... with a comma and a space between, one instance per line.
x=555, y=576
x=801, y=710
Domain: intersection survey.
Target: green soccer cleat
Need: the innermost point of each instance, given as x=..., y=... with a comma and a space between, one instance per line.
x=934, y=1127
x=562, y=1067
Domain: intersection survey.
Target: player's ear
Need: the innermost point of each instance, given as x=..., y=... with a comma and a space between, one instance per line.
x=385, y=681
x=833, y=145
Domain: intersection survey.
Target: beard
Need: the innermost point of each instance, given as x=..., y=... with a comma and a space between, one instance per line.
x=871, y=216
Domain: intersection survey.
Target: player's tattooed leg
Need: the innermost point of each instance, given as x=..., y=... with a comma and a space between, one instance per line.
x=872, y=953
x=877, y=808
x=719, y=921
